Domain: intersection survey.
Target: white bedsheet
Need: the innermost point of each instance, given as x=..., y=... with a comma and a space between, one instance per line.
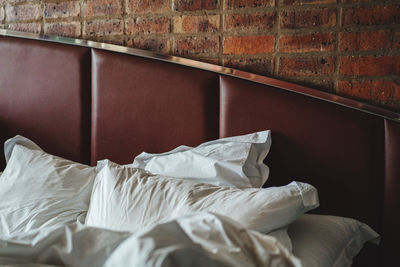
x=202, y=239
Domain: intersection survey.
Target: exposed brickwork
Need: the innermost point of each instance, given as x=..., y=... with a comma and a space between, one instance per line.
x=97, y=8
x=364, y=41
x=252, y=22
x=145, y=25
x=396, y=39
x=239, y=45
x=315, y=42
x=370, y=65
x=23, y=12
x=196, y=45
x=103, y=27
x=319, y=17
x=349, y=47
x=233, y=4
x=355, y=1
x=161, y=45
x=379, y=92
x=306, y=66
x=305, y=2
x=33, y=27
x=193, y=5
x=62, y=10
x=70, y=29
x=194, y=24
x=260, y=66
x=371, y=15
x=147, y=6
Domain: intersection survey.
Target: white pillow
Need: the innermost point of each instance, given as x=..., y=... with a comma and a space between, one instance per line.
x=38, y=190
x=18, y=140
x=321, y=240
x=233, y=161
x=127, y=199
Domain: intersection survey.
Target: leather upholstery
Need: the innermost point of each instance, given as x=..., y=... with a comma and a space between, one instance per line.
x=336, y=149
x=146, y=105
x=392, y=193
x=45, y=96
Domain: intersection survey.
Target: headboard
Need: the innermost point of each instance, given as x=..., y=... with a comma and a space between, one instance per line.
x=87, y=101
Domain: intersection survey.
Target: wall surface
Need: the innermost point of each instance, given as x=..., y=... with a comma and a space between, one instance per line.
x=348, y=47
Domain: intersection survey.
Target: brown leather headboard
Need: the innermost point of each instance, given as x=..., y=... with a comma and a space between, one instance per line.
x=45, y=95
x=86, y=104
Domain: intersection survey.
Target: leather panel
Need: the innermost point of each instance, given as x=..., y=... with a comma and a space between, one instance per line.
x=336, y=149
x=322, y=143
x=45, y=96
x=392, y=195
x=146, y=105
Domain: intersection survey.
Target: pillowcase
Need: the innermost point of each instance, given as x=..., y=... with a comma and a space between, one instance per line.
x=282, y=236
x=128, y=199
x=38, y=190
x=20, y=140
x=321, y=240
x=233, y=161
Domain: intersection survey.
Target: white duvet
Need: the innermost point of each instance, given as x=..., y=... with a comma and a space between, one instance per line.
x=202, y=239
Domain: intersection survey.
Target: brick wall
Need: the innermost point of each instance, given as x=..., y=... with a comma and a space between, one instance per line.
x=348, y=47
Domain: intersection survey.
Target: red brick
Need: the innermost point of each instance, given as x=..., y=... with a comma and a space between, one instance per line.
x=306, y=66
x=363, y=41
x=196, y=45
x=103, y=27
x=192, y=5
x=250, y=22
x=146, y=25
x=62, y=10
x=262, y=66
x=321, y=17
x=99, y=8
x=70, y=29
x=18, y=1
x=33, y=27
x=386, y=93
x=316, y=42
x=396, y=39
x=306, y=2
x=233, y=4
x=355, y=1
x=109, y=39
x=372, y=15
x=370, y=65
x=147, y=6
x=160, y=45
x=239, y=45
x=194, y=24
x=324, y=85
x=23, y=12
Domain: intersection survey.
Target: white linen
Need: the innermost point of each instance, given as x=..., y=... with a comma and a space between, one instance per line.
x=283, y=237
x=38, y=190
x=18, y=140
x=198, y=240
x=128, y=199
x=234, y=161
x=325, y=241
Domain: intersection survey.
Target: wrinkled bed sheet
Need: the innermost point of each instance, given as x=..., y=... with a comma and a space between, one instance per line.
x=202, y=239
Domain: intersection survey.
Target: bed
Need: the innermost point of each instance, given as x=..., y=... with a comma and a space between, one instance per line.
x=87, y=101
